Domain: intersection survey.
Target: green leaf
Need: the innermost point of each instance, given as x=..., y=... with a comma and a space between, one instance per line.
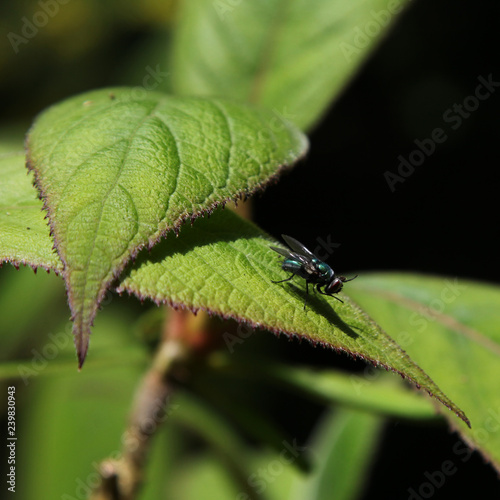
x=198, y=479
x=118, y=168
x=24, y=234
x=343, y=446
x=450, y=327
x=293, y=57
x=225, y=265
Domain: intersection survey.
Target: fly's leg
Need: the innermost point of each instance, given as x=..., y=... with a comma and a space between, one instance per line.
x=282, y=281
x=329, y=295
x=307, y=293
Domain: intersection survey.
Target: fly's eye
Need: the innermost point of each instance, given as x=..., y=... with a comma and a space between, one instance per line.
x=334, y=286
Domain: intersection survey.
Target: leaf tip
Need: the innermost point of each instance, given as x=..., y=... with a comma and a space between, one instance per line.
x=82, y=354
x=82, y=346
x=465, y=419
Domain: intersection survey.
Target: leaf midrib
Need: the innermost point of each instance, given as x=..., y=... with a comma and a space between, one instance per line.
x=103, y=203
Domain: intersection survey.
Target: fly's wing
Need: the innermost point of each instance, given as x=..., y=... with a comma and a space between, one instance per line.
x=286, y=253
x=308, y=260
x=298, y=247
x=292, y=255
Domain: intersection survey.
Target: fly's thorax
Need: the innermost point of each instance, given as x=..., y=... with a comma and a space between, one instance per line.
x=325, y=271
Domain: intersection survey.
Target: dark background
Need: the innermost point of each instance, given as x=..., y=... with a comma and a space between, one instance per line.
x=442, y=219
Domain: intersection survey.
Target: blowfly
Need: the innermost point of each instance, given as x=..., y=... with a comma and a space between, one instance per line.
x=302, y=262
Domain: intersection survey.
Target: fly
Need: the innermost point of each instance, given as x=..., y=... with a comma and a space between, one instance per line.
x=302, y=262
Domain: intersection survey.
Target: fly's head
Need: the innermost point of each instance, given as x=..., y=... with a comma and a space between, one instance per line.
x=335, y=285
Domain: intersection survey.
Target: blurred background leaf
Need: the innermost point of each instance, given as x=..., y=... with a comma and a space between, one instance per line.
x=344, y=445
x=451, y=327
x=294, y=57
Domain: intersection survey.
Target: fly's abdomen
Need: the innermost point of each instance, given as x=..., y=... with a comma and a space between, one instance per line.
x=292, y=266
